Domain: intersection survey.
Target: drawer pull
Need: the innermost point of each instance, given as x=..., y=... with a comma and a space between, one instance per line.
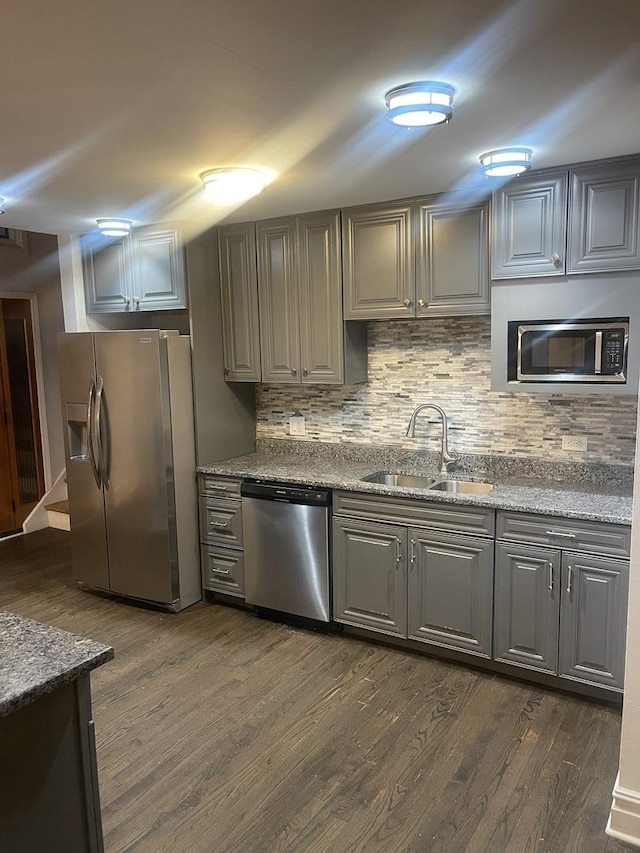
x=569, y=573
x=559, y=533
x=215, y=571
x=219, y=523
x=551, y=576
x=214, y=487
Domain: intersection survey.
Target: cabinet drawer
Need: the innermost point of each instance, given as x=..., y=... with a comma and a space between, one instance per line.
x=594, y=537
x=222, y=570
x=416, y=513
x=221, y=522
x=222, y=486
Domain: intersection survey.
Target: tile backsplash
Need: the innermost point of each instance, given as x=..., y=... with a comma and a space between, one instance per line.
x=448, y=362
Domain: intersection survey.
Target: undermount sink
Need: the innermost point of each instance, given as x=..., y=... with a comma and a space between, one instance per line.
x=411, y=481
x=415, y=481
x=462, y=487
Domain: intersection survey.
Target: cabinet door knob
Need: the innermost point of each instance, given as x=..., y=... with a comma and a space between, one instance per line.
x=421, y=303
x=305, y=372
x=127, y=300
x=555, y=258
x=136, y=301
x=294, y=372
x=406, y=302
x=569, y=573
x=551, y=576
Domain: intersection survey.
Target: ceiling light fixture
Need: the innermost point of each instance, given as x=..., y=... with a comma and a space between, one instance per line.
x=1, y=205
x=114, y=227
x=506, y=162
x=233, y=184
x=420, y=104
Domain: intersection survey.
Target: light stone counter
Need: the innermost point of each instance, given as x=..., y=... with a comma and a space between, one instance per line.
x=594, y=493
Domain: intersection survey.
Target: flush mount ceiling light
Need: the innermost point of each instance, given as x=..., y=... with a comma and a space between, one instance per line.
x=114, y=227
x=1, y=205
x=420, y=104
x=505, y=162
x=233, y=184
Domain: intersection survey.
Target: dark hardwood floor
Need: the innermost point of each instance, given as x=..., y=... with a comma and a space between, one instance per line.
x=218, y=732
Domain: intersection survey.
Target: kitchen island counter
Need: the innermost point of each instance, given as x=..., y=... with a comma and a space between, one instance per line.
x=593, y=493
x=48, y=768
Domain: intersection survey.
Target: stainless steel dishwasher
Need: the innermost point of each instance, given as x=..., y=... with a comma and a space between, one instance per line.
x=286, y=548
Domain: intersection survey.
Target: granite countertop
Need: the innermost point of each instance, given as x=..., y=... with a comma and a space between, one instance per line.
x=547, y=488
x=36, y=658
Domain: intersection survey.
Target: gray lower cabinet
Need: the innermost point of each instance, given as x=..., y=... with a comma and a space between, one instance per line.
x=142, y=272
x=593, y=618
x=434, y=586
x=604, y=218
x=452, y=271
x=528, y=226
x=450, y=591
x=527, y=606
x=562, y=612
x=370, y=575
x=221, y=554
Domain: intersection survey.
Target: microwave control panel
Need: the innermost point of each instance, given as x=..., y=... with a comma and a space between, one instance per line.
x=613, y=351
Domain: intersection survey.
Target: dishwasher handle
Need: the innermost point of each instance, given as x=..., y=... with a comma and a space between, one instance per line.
x=285, y=493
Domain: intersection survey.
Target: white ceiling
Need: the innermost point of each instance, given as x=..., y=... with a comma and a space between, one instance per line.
x=114, y=108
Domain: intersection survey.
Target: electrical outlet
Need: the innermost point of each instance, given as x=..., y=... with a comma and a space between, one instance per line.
x=574, y=442
x=296, y=425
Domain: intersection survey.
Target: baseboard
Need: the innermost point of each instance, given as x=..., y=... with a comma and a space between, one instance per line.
x=624, y=818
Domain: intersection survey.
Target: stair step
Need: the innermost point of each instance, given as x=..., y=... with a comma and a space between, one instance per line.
x=58, y=515
x=58, y=506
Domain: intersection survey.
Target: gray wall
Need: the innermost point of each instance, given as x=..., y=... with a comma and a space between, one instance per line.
x=449, y=362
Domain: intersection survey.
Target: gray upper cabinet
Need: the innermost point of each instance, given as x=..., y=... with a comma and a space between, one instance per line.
x=239, y=293
x=452, y=271
x=378, y=249
x=303, y=337
x=604, y=218
x=143, y=272
x=370, y=575
x=107, y=274
x=527, y=604
x=278, y=299
x=528, y=232
x=450, y=591
x=593, y=619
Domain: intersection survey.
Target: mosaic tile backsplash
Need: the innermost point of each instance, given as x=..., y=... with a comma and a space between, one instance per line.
x=448, y=362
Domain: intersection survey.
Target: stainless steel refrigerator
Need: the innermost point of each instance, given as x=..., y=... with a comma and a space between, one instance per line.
x=127, y=403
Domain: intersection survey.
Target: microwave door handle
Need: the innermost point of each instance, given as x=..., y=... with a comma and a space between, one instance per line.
x=598, y=354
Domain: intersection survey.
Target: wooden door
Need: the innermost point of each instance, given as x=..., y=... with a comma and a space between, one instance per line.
x=21, y=467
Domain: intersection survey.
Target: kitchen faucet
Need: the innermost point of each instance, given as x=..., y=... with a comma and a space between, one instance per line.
x=447, y=457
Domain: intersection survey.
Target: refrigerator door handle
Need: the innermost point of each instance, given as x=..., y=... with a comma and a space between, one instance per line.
x=91, y=430
x=102, y=468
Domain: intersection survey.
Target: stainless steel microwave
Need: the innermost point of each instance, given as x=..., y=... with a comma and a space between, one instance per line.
x=568, y=350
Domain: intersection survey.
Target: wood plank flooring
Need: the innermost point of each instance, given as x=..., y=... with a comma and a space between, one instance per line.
x=218, y=732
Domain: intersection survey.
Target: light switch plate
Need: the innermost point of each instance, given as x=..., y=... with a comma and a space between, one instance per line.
x=296, y=425
x=574, y=442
